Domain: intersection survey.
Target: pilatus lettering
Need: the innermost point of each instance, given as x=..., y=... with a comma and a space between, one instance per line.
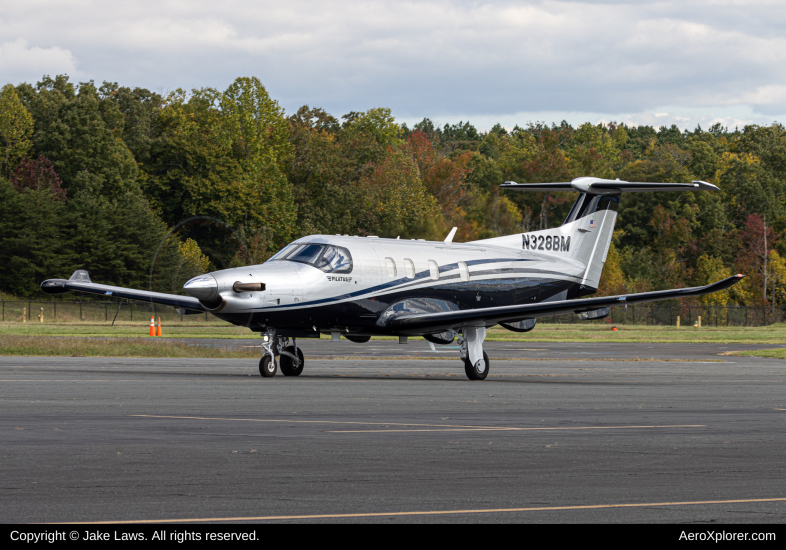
x=340, y=279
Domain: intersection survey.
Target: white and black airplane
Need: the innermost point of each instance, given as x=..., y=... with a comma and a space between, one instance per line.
x=358, y=287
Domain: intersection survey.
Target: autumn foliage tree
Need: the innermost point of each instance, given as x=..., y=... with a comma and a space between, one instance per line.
x=38, y=174
x=756, y=243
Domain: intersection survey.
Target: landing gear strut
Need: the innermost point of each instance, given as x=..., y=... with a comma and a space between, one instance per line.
x=290, y=357
x=476, y=361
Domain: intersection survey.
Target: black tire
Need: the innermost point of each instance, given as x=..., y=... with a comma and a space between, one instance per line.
x=267, y=367
x=472, y=372
x=286, y=363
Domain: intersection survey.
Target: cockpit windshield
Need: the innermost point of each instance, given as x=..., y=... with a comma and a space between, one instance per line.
x=281, y=254
x=306, y=253
x=328, y=258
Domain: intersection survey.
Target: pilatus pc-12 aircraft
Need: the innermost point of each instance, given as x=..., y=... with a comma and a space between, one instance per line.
x=358, y=287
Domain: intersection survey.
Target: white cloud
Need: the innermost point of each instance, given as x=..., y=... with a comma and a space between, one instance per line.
x=19, y=61
x=439, y=58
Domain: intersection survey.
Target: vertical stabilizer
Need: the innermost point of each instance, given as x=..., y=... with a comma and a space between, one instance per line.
x=585, y=236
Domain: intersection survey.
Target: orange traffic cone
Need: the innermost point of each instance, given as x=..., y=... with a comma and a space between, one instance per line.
x=158, y=332
x=152, y=326
x=614, y=329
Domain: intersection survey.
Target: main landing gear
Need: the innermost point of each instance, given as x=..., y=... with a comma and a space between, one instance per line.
x=290, y=357
x=476, y=361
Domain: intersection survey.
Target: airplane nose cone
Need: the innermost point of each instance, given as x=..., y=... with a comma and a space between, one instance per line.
x=204, y=288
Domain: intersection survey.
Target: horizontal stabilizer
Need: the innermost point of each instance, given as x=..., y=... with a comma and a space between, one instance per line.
x=433, y=322
x=80, y=282
x=598, y=186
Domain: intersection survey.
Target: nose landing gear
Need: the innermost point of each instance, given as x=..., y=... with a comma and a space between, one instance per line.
x=290, y=357
x=267, y=366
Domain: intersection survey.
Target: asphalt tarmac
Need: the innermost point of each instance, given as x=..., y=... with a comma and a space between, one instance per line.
x=571, y=433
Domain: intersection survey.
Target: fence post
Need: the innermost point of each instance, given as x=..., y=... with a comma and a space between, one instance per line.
x=54, y=303
x=106, y=306
x=28, y=309
x=80, y=310
x=131, y=308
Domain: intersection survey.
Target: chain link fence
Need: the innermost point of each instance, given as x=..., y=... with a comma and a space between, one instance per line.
x=29, y=311
x=711, y=315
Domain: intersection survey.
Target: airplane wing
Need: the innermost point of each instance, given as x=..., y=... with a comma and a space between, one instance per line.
x=493, y=315
x=80, y=281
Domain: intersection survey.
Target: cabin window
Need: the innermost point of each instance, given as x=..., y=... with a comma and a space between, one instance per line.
x=409, y=268
x=433, y=270
x=335, y=259
x=463, y=271
x=391, y=265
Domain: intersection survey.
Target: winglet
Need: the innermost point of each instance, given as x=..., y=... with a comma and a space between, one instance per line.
x=449, y=238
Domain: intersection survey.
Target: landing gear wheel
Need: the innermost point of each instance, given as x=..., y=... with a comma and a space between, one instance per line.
x=267, y=367
x=287, y=364
x=475, y=374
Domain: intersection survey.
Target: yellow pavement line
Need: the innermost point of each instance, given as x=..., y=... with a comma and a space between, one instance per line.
x=74, y=380
x=443, y=427
x=446, y=512
x=309, y=421
x=481, y=429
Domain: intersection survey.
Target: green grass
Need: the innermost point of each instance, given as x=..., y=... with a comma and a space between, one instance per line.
x=777, y=353
x=587, y=332
x=601, y=332
x=218, y=329
x=48, y=346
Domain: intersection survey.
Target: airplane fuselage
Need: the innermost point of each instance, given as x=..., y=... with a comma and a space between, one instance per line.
x=384, y=273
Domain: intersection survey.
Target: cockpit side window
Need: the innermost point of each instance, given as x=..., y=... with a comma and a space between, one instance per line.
x=335, y=259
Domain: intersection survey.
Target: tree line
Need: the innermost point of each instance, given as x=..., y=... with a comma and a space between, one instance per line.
x=146, y=190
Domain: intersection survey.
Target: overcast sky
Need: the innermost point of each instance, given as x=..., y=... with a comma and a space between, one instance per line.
x=669, y=62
